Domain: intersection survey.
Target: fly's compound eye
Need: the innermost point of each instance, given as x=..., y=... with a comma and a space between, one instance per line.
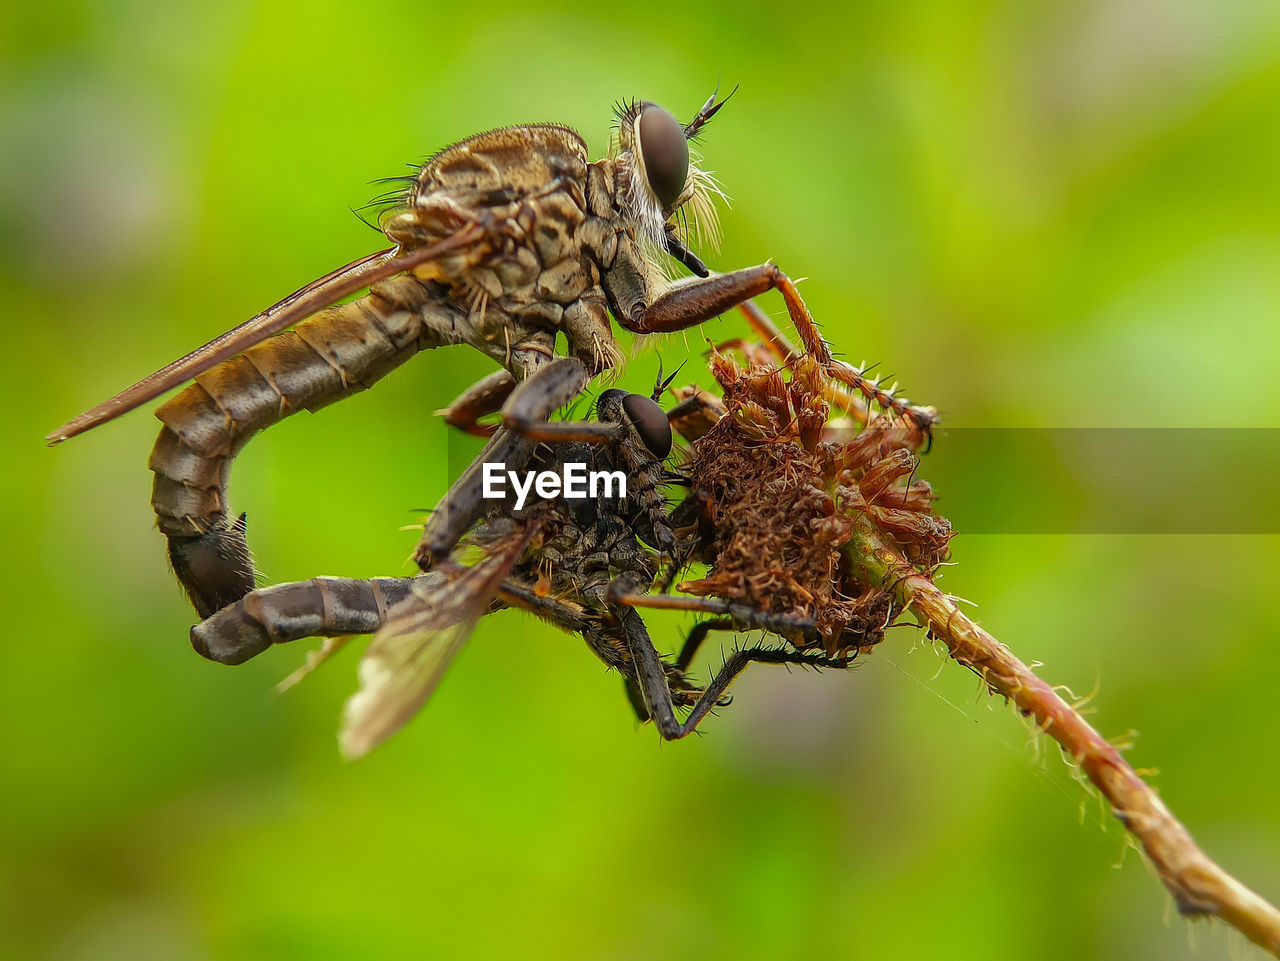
x=650, y=422
x=665, y=151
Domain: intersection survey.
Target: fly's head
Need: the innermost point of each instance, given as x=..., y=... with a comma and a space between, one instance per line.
x=643, y=450
x=647, y=433
x=662, y=188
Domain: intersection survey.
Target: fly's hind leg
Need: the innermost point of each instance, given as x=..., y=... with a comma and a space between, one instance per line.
x=697, y=634
x=714, y=695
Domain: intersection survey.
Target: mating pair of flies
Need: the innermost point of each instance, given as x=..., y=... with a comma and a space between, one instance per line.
x=506, y=241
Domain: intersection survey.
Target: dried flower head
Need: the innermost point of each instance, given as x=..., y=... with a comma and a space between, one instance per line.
x=778, y=488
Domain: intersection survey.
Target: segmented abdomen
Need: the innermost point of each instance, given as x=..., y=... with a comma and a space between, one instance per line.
x=337, y=352
x=320, y=607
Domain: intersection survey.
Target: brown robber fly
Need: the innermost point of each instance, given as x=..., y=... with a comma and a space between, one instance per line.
x=504, y=241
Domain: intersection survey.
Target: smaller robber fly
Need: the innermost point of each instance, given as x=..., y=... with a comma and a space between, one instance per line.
x=581, y=564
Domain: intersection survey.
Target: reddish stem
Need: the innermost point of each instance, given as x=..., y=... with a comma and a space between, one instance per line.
x=1197, y=883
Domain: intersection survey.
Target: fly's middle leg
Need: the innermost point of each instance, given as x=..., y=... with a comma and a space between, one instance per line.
x=486, y=396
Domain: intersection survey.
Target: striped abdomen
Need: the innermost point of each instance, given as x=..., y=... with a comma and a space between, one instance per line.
x=320, y=607
x=337, y=352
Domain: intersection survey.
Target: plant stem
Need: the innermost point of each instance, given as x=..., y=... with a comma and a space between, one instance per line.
x=1198, y=884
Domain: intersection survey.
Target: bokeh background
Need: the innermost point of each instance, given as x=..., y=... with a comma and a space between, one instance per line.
x=1055, y=214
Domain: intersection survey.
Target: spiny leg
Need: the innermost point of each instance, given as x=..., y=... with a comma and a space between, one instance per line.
x=816, y=346
x=688, y=304
x=713, y=695
x=800, y=630
x=688, y=652
x=779, y=348
x=485, y=396
x=574, y=618
x=651, y=677
x=534, y=400
x=697, y=634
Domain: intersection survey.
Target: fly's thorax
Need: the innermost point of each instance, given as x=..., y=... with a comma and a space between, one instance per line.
x=580, y=557
x=510, y=162
x=490, y=174
x=537, y=271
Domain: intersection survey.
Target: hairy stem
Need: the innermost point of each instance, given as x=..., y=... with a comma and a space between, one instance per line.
x=1199, y=886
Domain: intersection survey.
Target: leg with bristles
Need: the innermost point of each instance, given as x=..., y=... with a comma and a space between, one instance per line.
x=799, y=630
x=924, y=418
x=531, y=402
x=651, y=677
x=686, y=305
x=485, y=396
x=688, y=652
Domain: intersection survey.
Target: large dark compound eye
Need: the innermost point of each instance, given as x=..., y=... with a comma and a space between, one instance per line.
x=666, y=154
x=650, y=422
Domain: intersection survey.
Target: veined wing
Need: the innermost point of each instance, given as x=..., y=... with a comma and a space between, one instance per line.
x=407, y=658
x=299, y=305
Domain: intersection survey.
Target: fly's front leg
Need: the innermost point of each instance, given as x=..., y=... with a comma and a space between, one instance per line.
x=532, y=402
x=690, y=303
x=319, y=607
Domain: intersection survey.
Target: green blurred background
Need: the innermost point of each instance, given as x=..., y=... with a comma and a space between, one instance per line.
x=1055, y=214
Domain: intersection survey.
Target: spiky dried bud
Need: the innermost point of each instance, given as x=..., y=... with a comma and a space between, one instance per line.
x=777, y=494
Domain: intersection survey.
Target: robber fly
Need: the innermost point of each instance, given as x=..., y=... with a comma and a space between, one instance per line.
x=582, y=564
x=501, y=241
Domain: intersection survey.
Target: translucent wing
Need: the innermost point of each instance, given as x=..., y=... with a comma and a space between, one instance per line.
x=406, y=659
x=328, y=647
x=299, y=305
